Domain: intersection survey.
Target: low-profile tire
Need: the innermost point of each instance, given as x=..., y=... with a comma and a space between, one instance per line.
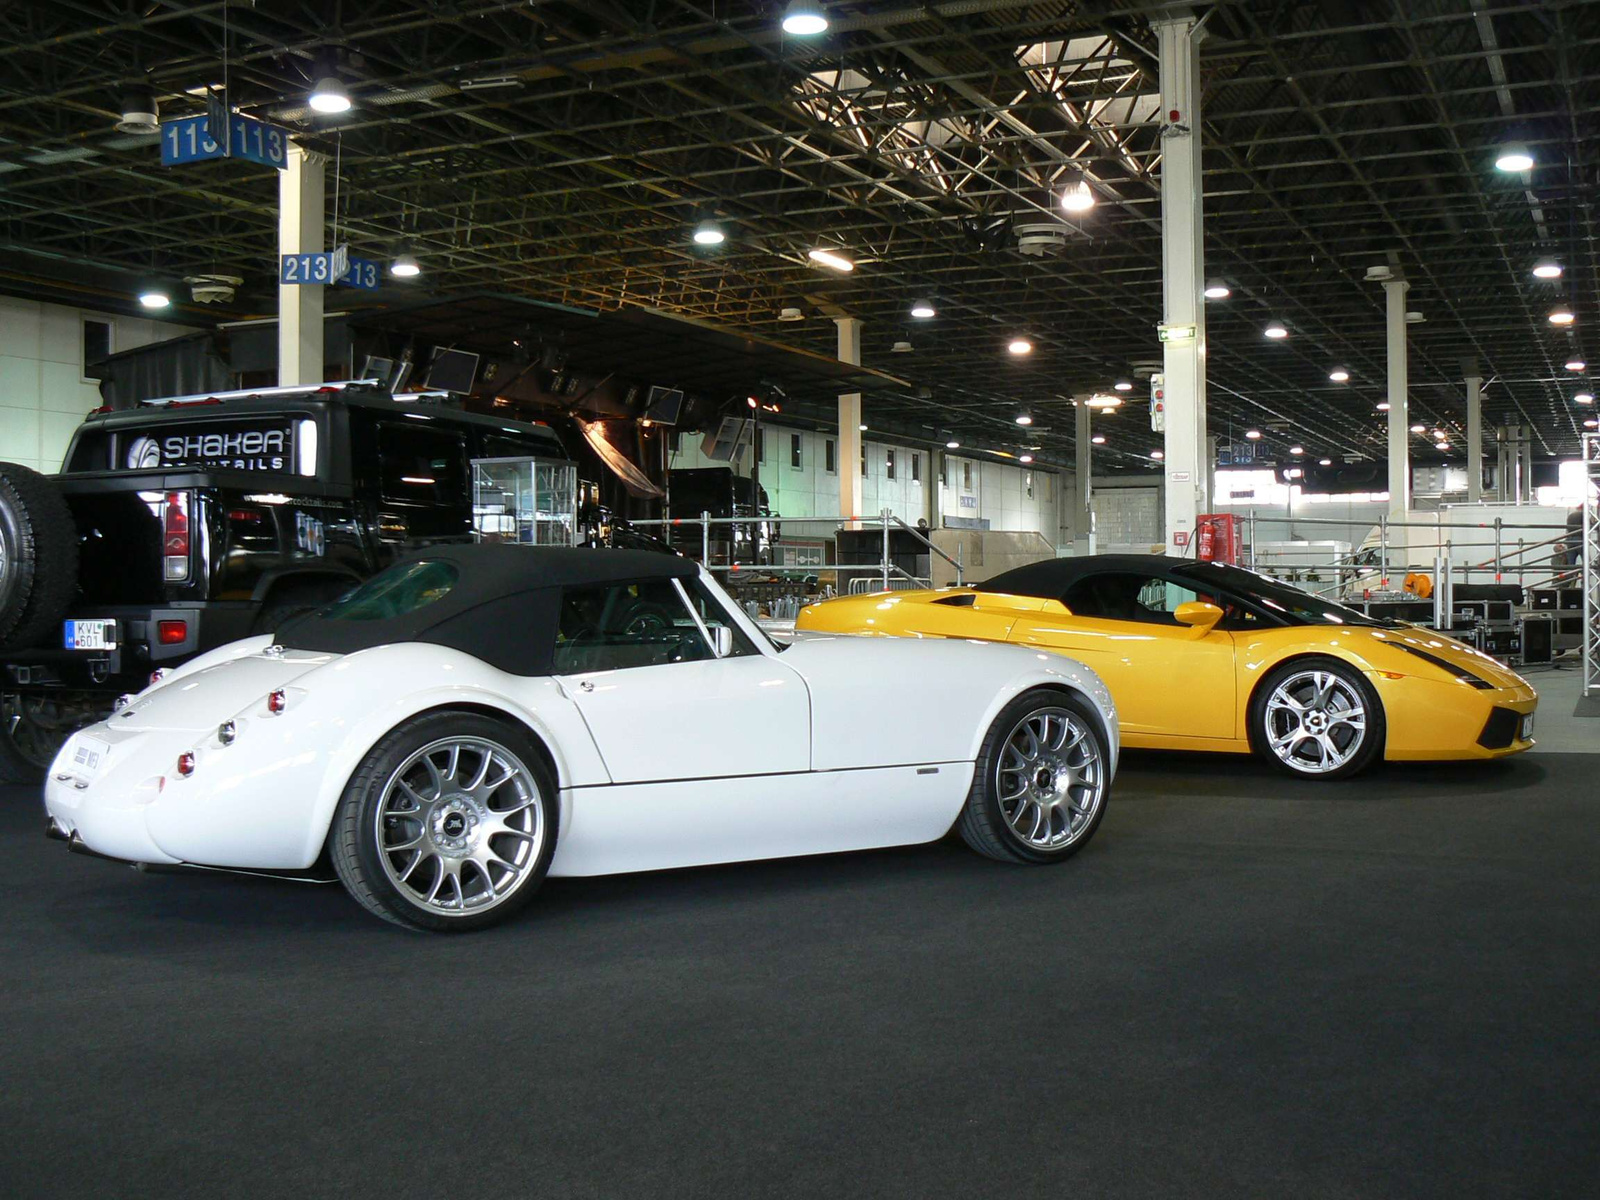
x=1040, y=785
x=1317, y=718
x=448, y=824
x=38, y=557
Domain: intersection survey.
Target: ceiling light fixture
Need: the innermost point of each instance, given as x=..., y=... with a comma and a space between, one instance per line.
x=1576, y=364
x=1547, y=268
x=804, y=18
x=1583, y=398
x=1098, y=439
x=1441, y=445
x=1020, y=345
x=154, y=297
x=1102, y=401
x=791, y=314
x=329, y=96
x=1297, y=449
x=1324, y=462
x=1217, y=290
x=1077, y=198
x=922, y=309
x=952, y=444
x=405, y=266
x=1339, y=375
x=1123, y=385
x=709, y=233
x=1158, y=455
x=1514, y=158
x=1024, y=419
x=1253, y=434
x=1384, y=406
x=862, y=427
x=831, y=258
x=1026, y=458
x=1419, y=429
x=1275, y=331
x=1561, y=315
x=900, y=347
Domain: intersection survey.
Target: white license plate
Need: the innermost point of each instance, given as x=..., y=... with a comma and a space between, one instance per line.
x=87, y=755
x=89, y=635
x=1527, y=727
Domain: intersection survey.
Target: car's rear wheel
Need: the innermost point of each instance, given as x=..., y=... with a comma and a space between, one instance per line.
x=38, y=557
x=449, y=823
x=1317, y=718
x=1040, y=784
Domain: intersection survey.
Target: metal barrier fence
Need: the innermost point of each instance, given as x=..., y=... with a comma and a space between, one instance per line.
x=1591, y=565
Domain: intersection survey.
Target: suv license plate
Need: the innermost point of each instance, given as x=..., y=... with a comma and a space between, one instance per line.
x=1527, y=727
x=89, y=635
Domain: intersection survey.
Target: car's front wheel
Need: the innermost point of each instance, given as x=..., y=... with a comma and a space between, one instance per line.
x=1317, y=718
x=1040, y=784
x=449, y=823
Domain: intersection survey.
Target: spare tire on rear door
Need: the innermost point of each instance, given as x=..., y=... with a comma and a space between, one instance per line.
x=38, y=557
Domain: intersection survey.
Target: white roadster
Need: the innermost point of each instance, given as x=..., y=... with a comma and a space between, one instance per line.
x=478, y=717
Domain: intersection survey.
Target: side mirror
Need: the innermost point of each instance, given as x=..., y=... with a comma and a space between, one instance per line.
x=722, y=640
x=1199, y=616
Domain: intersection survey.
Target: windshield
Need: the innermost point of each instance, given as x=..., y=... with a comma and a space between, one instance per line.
x=395, y=593
x=1282, y=600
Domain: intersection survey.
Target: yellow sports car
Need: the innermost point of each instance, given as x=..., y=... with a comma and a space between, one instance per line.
x=1203, y=656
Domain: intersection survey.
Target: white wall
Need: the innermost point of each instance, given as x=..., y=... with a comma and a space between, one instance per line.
x=43, y=397
x=997, y=491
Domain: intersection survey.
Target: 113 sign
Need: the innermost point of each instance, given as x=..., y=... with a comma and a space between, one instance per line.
x=189, y=139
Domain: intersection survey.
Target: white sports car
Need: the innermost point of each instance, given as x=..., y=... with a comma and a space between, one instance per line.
x=478, y=717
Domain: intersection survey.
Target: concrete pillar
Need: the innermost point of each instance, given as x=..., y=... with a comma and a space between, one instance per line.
x=931, y=489
x=1186, y=471
x=1399, y=389
x=1083, y=480
x=1474, y=436
x=849, y=422
x=300, y=220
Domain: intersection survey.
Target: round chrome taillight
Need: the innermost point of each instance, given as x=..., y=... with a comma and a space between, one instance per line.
x=186, y=764
x=121, y=702
x=226, y=732
x=157, y=675
x=277, y=700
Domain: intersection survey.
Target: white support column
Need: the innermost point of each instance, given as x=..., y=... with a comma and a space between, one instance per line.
x=1399, y=389
x=1083, y=480
x=1474, y=437
x=849, y=459
x=1187, y=472
x=300, y=219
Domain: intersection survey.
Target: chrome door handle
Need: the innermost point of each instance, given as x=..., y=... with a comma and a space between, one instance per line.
x=585, y=686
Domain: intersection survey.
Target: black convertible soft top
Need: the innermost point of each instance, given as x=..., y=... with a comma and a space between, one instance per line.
x=1050, y=579
x=496, y=602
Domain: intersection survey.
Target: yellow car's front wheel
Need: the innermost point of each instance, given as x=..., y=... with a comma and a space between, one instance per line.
x=1317, y=718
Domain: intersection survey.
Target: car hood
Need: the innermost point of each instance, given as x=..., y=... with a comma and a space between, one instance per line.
x=1458, y=655
x=204, y=698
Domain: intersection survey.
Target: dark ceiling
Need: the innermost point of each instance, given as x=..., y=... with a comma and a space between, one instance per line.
x=916, y=137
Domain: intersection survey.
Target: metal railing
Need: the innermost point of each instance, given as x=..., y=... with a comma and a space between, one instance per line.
x=1590, y=561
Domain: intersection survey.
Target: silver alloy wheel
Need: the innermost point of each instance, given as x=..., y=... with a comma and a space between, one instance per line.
x=1316, y=721
x=459, y=825
x=1049, y=778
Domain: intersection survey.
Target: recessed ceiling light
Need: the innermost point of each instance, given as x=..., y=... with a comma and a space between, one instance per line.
x=1547, y=268
x=1339, y=375
x=1561, y=315
x=1020, y=345
x=1078, y=198
x=922, y=309
x=952, y=445
x=1158, y=454
x=831, y=258
x=804, y=18
x=1253, y=434
x=1024, y=419
x=1384, y=406
x=1217, y=290
x=1098, y=439
x=1576, y=364
x=329, y=96
x=1123, y=385
x=1514, y=158
x=709, y=233
x=1275, y=331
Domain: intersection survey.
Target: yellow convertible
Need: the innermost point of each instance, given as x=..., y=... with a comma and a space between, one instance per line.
x=1203, y=656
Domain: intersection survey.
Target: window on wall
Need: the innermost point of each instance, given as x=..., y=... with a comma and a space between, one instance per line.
x=829, y=450
x=863, y=460
x=1028, y=478
x=796, y=454
x=761, y=446
x=966, y=476
x=97, y=344
x=944, y=473
x=888, y=464
x=916, y=468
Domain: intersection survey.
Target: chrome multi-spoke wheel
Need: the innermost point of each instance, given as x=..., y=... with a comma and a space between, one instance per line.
x=1049, y=778
x=1316, y=717
x=1041, y=782
x=449, y=822
x=459, y=825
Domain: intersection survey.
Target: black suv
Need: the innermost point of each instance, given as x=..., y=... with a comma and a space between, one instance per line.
x=187, y=523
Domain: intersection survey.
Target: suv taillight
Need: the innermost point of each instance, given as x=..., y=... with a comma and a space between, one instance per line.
x=175, y=536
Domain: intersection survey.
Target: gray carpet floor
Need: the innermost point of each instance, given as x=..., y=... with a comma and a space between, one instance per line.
x=1245, y=986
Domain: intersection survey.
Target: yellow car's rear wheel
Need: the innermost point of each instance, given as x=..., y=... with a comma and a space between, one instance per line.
x=1317, y=718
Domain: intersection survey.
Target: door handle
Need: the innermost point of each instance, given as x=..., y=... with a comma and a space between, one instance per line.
x=585, y=686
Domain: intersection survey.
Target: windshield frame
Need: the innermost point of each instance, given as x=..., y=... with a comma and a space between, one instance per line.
x=1280, y=601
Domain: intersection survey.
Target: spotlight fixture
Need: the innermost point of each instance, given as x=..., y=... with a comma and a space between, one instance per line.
x=1324, y=462
x=952, y=444
x=831, y=258
x=922, y=309
x=1020, y=345
x=1158, y=455
x=1098, y=439
x=1024, y=419
x=1583, y=398
x=1339, y=375
x=405, y=266
x=1561, y=315
x=1123, y=385
x=1275, y=331
x=1576, y=364
x=1217, y=290
x=1253, y=434
x=154, y=296
x=1078, y=198
x=329, y=96
x=1514, y=158
x=804, y=18
x=1297, y=449
x=1547, y=268
x=709, y=233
